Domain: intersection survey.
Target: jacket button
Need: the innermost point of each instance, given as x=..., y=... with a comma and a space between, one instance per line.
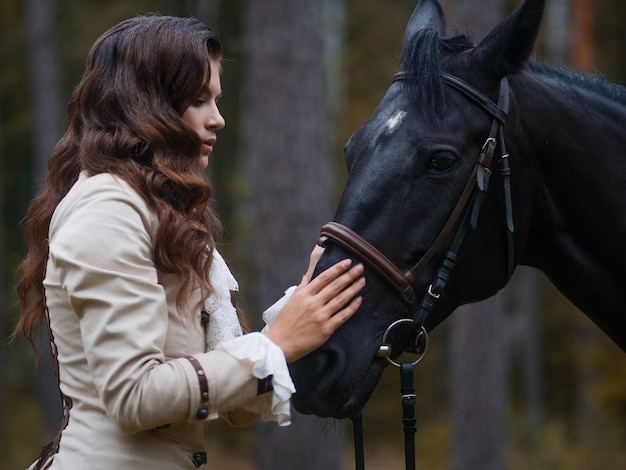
x=199, y=459
x=202, y=413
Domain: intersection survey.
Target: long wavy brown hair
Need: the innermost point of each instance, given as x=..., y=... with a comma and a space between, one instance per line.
x=125, y=118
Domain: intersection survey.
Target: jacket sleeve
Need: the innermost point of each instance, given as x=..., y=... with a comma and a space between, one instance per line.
x=102, y=253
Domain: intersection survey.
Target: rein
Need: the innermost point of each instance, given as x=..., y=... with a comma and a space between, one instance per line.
x=464, y=216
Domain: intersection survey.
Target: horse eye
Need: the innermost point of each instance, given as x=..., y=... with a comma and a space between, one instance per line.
x=441, y=161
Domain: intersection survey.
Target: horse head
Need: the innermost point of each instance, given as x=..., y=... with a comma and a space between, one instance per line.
x=409, y=166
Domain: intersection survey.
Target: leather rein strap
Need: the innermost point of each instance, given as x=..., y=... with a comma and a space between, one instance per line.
x=466, y=211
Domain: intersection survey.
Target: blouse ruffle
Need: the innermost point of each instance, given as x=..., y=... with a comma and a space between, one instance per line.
x=225, y=334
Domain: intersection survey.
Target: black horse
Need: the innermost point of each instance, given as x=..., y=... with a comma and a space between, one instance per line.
x=433, y=200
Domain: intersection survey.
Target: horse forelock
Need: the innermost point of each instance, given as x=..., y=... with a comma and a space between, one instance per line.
x=422, y=65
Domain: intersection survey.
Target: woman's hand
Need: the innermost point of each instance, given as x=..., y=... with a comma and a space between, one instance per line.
x=317, y=308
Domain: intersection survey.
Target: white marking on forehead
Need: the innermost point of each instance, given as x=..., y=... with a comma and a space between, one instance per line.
x=394, y=121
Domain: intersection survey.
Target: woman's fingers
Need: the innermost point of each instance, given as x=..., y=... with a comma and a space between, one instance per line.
x=329, y=275
x=343, y=288
x=346, y=294
x=344, y=314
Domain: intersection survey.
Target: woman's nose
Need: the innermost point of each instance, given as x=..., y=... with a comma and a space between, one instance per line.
x=216, y=120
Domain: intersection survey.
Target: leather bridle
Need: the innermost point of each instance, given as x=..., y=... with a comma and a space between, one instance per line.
x=466, y=211
x=464, y=217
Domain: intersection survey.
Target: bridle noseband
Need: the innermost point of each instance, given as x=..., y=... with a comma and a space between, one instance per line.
x=464, y=216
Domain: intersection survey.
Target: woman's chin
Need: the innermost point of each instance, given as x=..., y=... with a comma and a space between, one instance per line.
x=203, y=162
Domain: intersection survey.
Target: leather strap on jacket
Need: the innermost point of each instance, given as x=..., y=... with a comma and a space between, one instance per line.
x=48, y=452
x=203, y=411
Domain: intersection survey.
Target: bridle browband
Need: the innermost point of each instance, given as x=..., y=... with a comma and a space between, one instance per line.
x=467, y=207
x=464, y=216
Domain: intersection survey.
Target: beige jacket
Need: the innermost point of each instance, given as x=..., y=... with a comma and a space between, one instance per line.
x=132, y=364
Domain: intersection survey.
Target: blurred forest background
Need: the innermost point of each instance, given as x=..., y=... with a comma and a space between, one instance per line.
x=520, y=381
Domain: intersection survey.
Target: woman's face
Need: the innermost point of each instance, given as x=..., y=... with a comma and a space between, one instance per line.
x=204, y=117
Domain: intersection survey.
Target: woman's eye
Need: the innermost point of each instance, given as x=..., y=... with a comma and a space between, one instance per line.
x=441, y=161
x=199, y=102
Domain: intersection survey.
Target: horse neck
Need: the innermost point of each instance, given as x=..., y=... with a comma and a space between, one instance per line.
x=574, y=166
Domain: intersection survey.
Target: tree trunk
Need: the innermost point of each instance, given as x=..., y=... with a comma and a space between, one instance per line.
x=207, y=11
x=286, y=155
x=3, y=300
x=558, y=32
x=45, y=81
x=478, y=338
x=524, y=299
x=46, y=111
x=478, y=381
x=583, y=44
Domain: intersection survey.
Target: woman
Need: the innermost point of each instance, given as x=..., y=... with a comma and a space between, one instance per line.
x=147, y=340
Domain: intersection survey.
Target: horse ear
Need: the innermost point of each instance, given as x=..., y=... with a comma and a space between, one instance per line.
x=508, y=46
x=428, y=14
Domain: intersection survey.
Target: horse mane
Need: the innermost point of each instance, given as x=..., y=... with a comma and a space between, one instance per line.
x=593, y=83
x=422, y=66
x=422, y=60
